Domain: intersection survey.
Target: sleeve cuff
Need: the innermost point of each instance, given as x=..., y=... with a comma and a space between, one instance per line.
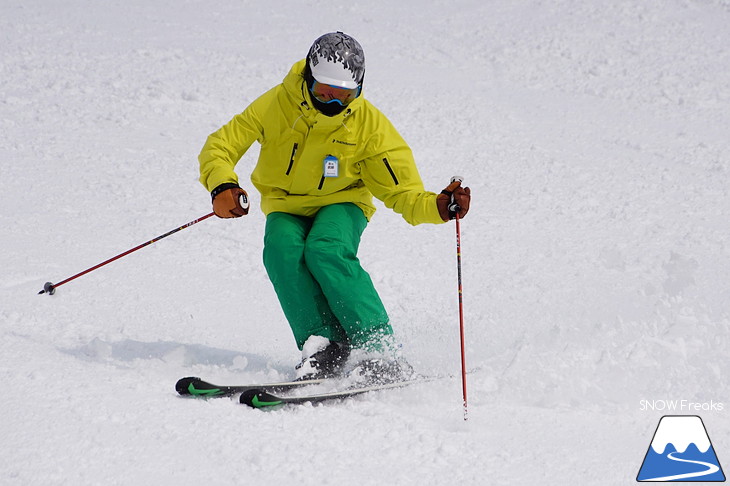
x=223, y=187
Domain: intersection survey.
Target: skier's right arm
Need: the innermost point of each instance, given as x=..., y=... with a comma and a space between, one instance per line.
x=225, y=147
x=219, y=156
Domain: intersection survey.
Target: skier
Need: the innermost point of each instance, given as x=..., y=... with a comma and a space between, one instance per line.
x=325, y=152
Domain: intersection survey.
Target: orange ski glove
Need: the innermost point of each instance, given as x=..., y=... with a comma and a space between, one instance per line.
x=452, y=199
x=229, y=201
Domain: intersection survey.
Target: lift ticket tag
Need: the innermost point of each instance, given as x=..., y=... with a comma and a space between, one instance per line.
x=331, y=166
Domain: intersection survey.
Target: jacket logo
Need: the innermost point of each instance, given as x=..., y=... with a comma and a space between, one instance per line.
x=341, y=142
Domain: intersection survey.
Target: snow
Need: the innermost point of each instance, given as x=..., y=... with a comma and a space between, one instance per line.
x=596, y=255
x=314, y=344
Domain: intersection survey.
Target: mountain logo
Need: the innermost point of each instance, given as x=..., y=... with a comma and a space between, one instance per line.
x=680, y=451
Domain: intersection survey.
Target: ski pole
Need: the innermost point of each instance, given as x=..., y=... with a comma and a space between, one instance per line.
x=461, y=314
x=455, y=207
x=50, y=288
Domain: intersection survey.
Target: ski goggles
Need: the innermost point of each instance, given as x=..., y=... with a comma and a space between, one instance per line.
x=327, y=93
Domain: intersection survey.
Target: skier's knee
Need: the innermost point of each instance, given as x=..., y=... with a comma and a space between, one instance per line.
x=325, y=252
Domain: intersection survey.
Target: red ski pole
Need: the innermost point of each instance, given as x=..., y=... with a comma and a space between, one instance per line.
x=461, y=314
x=454, y=207
x=50, y=288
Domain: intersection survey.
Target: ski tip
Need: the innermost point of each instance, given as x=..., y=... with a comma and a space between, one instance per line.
x=183, y=384
x=260, y=399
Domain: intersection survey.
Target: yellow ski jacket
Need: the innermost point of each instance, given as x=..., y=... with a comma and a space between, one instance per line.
x=365, y=155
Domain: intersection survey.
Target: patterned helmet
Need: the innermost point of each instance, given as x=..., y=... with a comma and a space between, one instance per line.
x=338, y=60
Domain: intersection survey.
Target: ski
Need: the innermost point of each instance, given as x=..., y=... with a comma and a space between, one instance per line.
x=262, y=398
x=192, y=386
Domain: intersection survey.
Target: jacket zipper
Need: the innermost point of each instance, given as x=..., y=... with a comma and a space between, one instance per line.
x=291, y=160
x=390, y=169
x=321, y=183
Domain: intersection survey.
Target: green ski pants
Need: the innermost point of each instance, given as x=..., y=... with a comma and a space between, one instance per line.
x=322, y=289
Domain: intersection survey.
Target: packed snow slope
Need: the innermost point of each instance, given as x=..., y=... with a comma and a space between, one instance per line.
x=596, y=254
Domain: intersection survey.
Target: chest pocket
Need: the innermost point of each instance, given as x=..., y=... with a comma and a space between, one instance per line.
x=290, y=166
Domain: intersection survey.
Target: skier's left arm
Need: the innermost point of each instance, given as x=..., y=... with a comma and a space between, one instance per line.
x=392, y=176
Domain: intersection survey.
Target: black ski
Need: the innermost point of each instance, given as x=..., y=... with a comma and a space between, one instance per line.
x=263, y=398
x=192, y=386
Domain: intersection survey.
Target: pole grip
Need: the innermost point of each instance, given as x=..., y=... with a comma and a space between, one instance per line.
x=244, y=202
x=452, y=205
